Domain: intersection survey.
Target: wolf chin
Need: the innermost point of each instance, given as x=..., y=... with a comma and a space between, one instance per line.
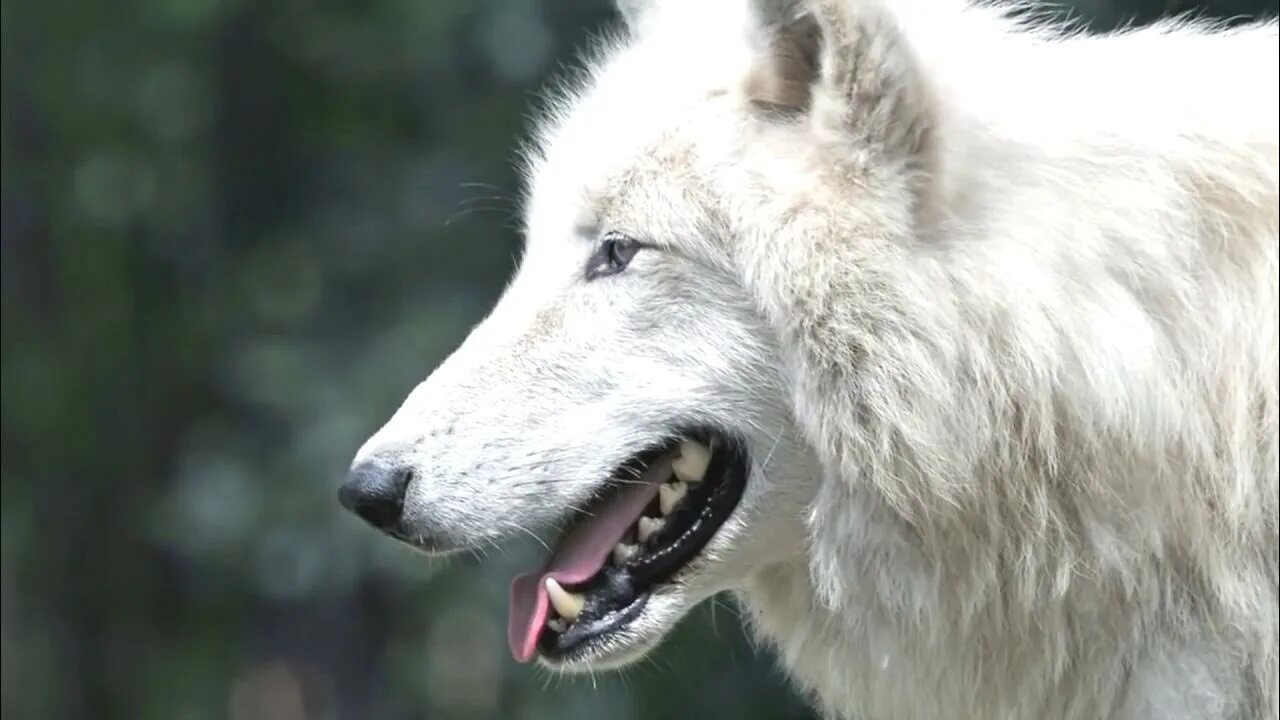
x=944, y=337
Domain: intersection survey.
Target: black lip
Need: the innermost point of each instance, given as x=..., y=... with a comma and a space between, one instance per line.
x=615, y=596
x=612, y=603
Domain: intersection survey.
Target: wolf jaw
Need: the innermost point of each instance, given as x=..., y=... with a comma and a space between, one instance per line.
x=650, y=522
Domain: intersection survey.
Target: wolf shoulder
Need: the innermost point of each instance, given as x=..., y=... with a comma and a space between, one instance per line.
x=1164, y=135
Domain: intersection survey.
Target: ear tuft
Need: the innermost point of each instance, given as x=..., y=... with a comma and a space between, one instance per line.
x=788, y=43
x=846, y=63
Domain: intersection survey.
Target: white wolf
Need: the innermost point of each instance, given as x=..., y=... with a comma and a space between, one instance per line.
x=947, y=342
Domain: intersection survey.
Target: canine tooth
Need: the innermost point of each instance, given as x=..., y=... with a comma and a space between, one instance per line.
x=692, y=463
x=669, y=494
x=622, y=552
x=647, y=527
x=567, y=604
x=557, y=625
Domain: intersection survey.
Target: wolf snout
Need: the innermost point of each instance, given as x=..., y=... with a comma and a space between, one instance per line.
x=375, y=491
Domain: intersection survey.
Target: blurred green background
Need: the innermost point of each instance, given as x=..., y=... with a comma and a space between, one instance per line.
x=235, y=234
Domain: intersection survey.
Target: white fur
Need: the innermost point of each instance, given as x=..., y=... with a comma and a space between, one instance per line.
x=994, y=306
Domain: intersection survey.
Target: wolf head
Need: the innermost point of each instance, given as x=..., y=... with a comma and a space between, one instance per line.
x=628, y=390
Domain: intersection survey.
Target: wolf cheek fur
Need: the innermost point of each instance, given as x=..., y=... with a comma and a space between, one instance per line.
x=993, y=309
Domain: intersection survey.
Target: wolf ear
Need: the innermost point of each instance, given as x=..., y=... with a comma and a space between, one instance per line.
x=844, y=63
x=785, y=39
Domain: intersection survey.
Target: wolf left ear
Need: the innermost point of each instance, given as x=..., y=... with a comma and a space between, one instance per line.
x=844, y=63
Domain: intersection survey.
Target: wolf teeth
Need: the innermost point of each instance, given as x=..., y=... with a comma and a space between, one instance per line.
x=670, y=494
x=622, y=553
x=557, y=625
x=647, y=527
x=567, y=604
x=693, y=461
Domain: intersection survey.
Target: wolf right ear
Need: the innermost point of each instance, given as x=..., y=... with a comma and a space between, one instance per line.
x=846, y=64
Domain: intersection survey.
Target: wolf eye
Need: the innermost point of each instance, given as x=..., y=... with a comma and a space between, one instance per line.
x=612, y=256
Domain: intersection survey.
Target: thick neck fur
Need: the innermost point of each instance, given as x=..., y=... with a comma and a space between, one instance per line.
x=1045, y=497
x=1043, y=389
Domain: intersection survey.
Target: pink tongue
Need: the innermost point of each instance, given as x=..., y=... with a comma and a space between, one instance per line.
x=579, y=555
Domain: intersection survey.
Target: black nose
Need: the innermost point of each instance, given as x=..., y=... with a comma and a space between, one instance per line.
x=375, y=492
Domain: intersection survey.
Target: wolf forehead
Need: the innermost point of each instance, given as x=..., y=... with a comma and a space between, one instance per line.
x=639, y=128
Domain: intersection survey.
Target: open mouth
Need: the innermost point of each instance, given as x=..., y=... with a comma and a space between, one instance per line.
x=653, y=519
